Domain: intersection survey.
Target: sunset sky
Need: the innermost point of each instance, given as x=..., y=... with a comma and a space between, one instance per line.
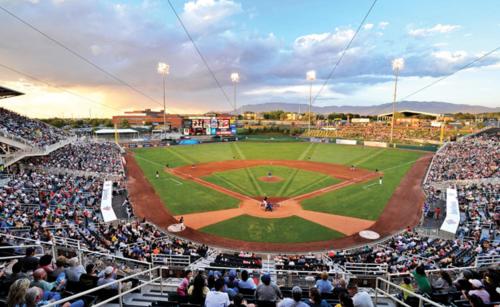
x=271, y=44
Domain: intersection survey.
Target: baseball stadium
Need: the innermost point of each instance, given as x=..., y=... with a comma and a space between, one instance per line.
x=204, y=170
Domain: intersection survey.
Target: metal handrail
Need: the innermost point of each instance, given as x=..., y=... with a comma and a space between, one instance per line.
x=421, y=298
x=120, y=293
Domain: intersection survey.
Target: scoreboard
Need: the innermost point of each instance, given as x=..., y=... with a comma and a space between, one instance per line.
x=204, y=125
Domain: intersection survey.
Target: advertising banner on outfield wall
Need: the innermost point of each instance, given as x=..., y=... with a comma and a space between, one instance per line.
x=346, y=142
x=108, y=214
x=452, y=219
x=360, y=120
x=375, y=144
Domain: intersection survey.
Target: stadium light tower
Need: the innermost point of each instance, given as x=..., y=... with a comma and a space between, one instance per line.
x=164, y=69
x=397, y=65
x=310, y=76
x=235, y=78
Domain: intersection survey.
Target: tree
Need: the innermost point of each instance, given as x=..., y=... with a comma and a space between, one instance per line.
x=124, y=124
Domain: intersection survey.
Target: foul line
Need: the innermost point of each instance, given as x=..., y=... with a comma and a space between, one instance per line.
x=372, y=184
x=178, y=182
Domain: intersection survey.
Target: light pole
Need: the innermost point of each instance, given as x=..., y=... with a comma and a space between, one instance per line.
x=310, y=76
x=164, y=69
x=397, y=65
x=235, y=78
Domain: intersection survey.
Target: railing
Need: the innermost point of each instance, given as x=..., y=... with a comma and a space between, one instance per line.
x=119, y=284
x=487, y=260
x=388, y=289
x=397, y=278
x=173, y=261
x=80, y=173
x=366, y=269
x=14, y=137
x=17, y=247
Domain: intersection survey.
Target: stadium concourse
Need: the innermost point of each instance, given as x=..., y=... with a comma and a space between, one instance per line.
x=56, y=247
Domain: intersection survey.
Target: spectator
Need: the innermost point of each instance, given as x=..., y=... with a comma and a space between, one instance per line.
x=479, y=291
x=184, y=285
x=323, y=284
x=359, y=298
x=30, y=262
x=59, y=267
x=345, y=300
x=75, y=270
x=108, y=276
x=295, y=301
x=267, y=291
x=217, y=298
x=238, y=301
x=423, y=283
x=444, y=282
x=408, y=288
x=35, y=297
x=339, y=288
x=46, y=264
x=246, y=282
x=16, y=274
x=315, y=299
x=40, y=281
x=89, y=279
x=17, y=292
x=198, y=291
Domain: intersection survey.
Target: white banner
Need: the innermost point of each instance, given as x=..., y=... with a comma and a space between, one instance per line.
x=108, y=214
x=346, y=142
x=452, y=219
x=360, y=120
x=375, y=144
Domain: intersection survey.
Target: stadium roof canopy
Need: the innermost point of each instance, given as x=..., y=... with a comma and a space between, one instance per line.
x=408, y=113
x=112, y=131
x=7, y=93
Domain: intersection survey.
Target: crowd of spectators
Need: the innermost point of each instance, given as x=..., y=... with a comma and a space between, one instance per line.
x=232, y=288
x=472, y=157
x=307, y=262
x=380, y=132
x=34, y=132
x=104, y=157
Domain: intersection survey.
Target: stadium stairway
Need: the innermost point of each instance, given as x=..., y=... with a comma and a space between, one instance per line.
x=149, y=295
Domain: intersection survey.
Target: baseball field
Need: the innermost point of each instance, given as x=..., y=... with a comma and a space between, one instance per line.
x=319, y=192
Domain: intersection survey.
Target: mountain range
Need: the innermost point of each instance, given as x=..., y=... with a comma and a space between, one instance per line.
x=423, y=106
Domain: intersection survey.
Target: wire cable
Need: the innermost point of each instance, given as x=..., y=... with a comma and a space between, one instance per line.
x=78, y=55
x=447, y=76
x=344, y=51
x=200, y=54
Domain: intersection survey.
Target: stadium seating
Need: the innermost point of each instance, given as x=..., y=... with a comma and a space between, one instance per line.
x=51, y=222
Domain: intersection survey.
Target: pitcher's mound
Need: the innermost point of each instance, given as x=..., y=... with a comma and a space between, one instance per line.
x=271, y=179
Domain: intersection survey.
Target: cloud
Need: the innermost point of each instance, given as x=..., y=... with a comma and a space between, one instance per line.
x=437, y=29
x=383, y=24
x=368, y=26
x=207, y=16
x=323, y=42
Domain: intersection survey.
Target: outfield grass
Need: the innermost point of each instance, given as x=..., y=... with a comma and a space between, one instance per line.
x=285, y=230
x=295, y=181
x=367, y=200
x=356, y=201
x=182, y=196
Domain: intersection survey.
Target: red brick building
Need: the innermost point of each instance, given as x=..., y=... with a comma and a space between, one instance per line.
x=149, y=117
